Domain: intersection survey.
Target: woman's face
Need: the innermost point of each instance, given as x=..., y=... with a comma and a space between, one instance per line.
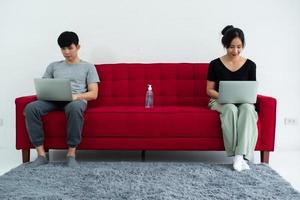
x=235, y=48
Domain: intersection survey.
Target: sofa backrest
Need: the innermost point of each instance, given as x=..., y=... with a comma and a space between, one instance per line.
x=174, y=84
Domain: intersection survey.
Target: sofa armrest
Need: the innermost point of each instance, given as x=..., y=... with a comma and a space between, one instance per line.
x=22, y=140
x=266, y=107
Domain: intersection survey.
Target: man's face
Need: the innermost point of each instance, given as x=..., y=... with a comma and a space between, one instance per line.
x=70, y=53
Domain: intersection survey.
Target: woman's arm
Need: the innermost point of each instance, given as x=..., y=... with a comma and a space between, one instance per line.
x=210, y=90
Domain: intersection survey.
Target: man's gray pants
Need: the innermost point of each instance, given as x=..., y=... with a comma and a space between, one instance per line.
x=74, y=111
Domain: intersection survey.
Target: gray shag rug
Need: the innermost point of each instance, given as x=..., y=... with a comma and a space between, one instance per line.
x=144, y=180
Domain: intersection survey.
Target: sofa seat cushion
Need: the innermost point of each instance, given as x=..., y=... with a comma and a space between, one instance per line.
x=136, y=121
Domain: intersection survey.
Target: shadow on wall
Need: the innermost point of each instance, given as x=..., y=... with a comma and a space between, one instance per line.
x=103, y=55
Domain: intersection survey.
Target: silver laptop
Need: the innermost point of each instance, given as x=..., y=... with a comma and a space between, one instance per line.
x=53, y=89
x=237, y=91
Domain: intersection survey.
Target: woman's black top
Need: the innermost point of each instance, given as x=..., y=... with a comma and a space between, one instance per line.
x=217, y=72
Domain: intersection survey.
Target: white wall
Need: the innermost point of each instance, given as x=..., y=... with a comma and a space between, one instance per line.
x=151, y=31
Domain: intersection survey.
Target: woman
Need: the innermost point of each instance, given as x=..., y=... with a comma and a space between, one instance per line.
x=238, y=120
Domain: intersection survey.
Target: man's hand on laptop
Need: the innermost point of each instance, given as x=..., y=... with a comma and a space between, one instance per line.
x=91, y=94
x=75, y=97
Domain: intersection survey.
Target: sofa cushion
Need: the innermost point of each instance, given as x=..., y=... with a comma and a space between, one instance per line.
x=135, y=121
x=173, y=84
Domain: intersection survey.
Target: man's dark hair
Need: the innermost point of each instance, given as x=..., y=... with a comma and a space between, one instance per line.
x=229, y=33
x=67, y=38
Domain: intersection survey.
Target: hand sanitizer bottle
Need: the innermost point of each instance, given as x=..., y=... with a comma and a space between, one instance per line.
x=149, y=97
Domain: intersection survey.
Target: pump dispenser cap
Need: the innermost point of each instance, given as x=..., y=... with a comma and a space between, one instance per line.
x=149, y=87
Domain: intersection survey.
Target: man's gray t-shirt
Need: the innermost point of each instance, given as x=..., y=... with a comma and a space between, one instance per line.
x=80, y=74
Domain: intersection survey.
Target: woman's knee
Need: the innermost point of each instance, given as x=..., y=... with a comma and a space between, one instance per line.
x=246, y=107
x=229, y=108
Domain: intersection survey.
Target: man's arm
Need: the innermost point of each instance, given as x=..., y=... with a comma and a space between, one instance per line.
x=91, y=94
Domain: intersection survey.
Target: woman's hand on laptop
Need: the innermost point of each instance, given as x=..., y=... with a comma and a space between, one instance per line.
x=211, y=91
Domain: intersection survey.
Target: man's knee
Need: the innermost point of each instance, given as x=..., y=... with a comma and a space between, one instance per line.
x=75, y=107
x=30, y=109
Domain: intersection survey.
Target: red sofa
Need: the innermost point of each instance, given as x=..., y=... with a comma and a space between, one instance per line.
x=118, y=120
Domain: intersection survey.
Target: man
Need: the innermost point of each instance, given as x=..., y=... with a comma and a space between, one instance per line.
x=84, y=83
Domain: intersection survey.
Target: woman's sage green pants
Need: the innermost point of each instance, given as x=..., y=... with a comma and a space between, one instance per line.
x=239, y=126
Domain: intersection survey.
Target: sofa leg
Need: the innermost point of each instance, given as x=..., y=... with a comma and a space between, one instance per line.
x=47, y=154
x=25, y=155
x=143, y=155
x=264, y=156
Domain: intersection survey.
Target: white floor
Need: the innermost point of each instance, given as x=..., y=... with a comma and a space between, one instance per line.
x=284, y=162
